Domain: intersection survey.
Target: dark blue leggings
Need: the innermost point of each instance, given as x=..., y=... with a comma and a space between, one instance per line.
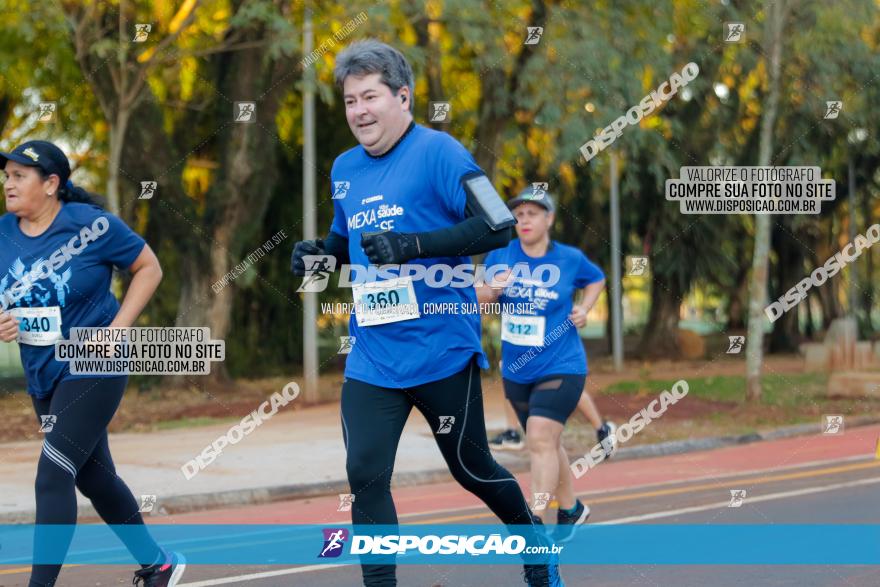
x=76, y=455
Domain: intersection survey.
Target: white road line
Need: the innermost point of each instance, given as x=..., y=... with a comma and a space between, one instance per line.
x=627, y=520
x=748, y=500
x=599, y=492
x=747, y=473
x=265, y=575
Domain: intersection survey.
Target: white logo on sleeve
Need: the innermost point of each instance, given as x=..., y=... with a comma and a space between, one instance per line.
x=340, y=189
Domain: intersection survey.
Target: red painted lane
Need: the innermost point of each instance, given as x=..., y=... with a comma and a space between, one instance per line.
x=757, y=456
x=760, y=456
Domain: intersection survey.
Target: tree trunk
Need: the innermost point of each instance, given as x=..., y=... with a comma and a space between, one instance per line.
x=6, y=106
x=774, y=9
x=660, y=337
x=867, y=297
x=609, y=322
x=831, y=307
x=785, y=337
x=493, y=117
x=433, y=54
x=736, y=307
x=809, y=325
x=117, y=141
x=236, y=202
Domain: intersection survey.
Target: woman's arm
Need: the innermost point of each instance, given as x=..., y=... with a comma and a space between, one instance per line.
x=590, y=294
x=8, y=327
x=146, y=275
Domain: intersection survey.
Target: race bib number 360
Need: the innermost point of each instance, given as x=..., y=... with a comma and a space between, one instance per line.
x=38, y=326
x=383, y=302
x=523, y=330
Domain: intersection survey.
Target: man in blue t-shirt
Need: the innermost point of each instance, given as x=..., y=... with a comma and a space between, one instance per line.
x=409, y=194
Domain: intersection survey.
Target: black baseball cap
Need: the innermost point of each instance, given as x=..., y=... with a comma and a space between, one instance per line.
x=531, y=195
x=43, y=154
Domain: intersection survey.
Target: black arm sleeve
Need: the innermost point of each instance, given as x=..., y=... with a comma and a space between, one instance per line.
x=470, y=237
x=337, y=245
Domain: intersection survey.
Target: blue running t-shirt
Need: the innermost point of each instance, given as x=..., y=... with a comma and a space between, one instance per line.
x=544, y=342
x=415, y=187
x=78, y=250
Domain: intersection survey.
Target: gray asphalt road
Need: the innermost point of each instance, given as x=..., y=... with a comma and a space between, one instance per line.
x=826, y=493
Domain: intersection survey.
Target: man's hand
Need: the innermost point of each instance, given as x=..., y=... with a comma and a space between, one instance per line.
x=297, y=264
x=8, y=327
x=390, y=248
x=578, y=316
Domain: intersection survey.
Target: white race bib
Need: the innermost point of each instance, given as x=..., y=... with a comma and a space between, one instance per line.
x=523, y=330
x=383, y=302
x=38, y=326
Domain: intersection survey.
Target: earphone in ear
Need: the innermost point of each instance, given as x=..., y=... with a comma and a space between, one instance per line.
x=403, y=98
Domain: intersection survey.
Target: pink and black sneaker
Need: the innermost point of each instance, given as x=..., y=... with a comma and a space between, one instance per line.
x=167, y=574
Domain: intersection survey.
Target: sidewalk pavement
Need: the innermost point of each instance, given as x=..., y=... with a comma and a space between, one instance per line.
x=297, y=453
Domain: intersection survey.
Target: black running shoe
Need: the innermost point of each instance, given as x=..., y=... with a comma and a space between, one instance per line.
x=567, y=523
x=507, y=440
x=167, y=574
x=607, y=438
x=546, y=575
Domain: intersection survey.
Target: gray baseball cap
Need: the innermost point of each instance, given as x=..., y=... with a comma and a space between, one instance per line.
x=531, y=195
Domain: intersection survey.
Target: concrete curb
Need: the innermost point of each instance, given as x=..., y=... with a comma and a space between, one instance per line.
x=516, y=464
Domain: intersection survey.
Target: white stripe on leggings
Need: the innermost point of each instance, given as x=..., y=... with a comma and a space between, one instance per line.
x=461, y=436
x=57, y=457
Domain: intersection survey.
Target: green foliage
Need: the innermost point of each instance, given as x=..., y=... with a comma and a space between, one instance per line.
x=789, y=390
x=594, y=61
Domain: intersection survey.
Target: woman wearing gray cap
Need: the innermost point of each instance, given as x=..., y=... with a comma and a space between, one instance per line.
x=56, y=263
x=544, y=366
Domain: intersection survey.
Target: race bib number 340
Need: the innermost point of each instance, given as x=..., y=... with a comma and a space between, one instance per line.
x=38, y=326
x=383, y=302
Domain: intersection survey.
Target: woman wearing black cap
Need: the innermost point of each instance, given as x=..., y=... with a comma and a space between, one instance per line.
x=56, y=264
